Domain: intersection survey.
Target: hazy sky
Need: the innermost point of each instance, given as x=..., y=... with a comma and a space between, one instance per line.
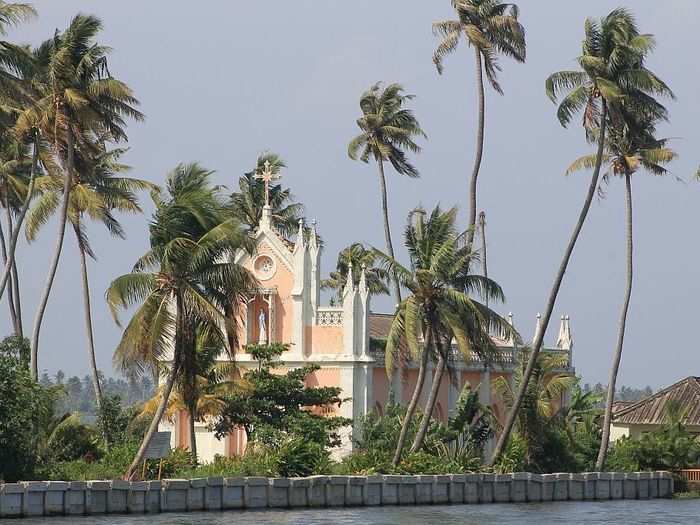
x=220, y=82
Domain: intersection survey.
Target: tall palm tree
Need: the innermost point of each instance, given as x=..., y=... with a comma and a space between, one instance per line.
x=192, y=247
x=630, y=145
x=357, y=256
x=491, y=28
x=77, y=96
x=612, y=73
x=97, y=193
x=248, y=202
x=388, y=130
x=440, y=307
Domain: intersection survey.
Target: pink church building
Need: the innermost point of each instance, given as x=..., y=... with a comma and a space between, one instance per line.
x=287, y=308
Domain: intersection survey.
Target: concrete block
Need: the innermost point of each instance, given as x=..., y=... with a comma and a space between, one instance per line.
x=486, y=492
x=153, y=497
x=456, y=493
x=373, y=490
x=195, y=494
x=441, y=490
x=653, y=486
x=11, y=500
x=561, y=487
x=355, y=490
x=602, y=486
x=213, y=493
x=501, y=488
x=548, y=483
x=298, y=492
x=335, y=491
x=317, y=491
x=99, y=492
x=233, y=493
x=629, y=488
x=175, y=495
x=407, y=490
x=278, y=493
x=424, y=490
x=136, y=497
x=255, y=492
x=643, y=481
x=54, y=503
x=76, y=498
x=616, y=485
x=518, y=487
x=576, y=482
x=390, y=490
x=34, y=496
x=117, y=497
x=665, y=483
x=534, y=487
x=590, y=479
x=472, y=486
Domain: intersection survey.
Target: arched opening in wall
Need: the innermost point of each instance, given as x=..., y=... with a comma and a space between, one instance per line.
x=439, y=413
x=378, y=409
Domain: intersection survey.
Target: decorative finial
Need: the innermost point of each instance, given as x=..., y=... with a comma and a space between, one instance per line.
x=565, y=341
x=538, y=327
x=363, y=280
x=267, y=176
x=349, y=284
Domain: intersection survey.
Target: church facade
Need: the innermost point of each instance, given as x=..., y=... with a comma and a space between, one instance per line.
x=286, y=307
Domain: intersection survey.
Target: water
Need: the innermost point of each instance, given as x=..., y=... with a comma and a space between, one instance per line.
x=657, y=512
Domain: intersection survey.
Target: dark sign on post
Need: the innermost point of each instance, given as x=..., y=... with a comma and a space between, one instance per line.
x=159, y=446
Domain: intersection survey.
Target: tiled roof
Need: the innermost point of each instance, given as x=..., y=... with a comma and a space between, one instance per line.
x=651, y=410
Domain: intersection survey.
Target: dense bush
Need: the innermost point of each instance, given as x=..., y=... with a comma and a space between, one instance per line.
x=72, y=440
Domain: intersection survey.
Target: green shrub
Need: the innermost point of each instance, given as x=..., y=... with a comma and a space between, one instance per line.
x=299, y=457
x=72, y=440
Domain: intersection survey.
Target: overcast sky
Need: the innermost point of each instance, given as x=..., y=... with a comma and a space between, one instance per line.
x=220, y=82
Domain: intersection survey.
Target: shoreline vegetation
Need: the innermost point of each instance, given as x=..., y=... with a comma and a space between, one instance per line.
x=64, y=116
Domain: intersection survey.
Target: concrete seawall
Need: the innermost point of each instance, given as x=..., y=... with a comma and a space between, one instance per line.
x=62, y=498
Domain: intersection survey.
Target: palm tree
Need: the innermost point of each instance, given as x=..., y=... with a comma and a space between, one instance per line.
x=357, y=256
x=192, y=247
x=630, y=145
x=578, y=409
x=77, y=97
x=491, y=28
x=97, y=192
x=439, y=307
x=388, y=130
x=612, y=73
x=14, y=13
x=248, y=202
x=543, y=394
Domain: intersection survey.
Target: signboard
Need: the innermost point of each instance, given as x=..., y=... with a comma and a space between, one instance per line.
x=159, y=446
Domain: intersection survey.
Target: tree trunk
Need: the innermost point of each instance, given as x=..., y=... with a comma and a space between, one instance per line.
x=172, y=375
x=38, y=319
x=484, y=267
x=430, y=403
x=10, y=291
x=387, y=229
x=18, y=299
x=537, y=344
x=604, y=443
x=479, y=149
x=191, y=411
x=87, y=311
x=411, y=408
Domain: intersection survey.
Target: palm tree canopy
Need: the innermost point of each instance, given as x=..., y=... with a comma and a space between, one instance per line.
x=247, y=203
x=489, y=26
x=388, y=129
x=442, y=292
x=14, y=13
x=357, y=257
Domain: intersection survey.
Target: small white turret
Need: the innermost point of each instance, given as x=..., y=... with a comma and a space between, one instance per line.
x=538, y=327
x=564, y=340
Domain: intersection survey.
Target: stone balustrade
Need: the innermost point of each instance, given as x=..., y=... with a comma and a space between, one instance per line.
x=62, y=498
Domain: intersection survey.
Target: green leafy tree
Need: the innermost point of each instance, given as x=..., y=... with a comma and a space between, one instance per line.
x=492, y=29
x=180, y=284
x=441, y=306
x=611, y=74
x=388, y=130
x=357, y=256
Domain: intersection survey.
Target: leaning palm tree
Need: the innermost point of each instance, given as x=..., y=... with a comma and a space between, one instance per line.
x=248, y=202
x=491, y=28
x=77, y=96
x=96, y=194
x=192, y=247
x=439, y=308
x=357, y=256
x=630, y=146
x=612, y=73
x=388, y=130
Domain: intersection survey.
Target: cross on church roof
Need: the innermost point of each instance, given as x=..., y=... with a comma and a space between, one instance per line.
x=267, y=176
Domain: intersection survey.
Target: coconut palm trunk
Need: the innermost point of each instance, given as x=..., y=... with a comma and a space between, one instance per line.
x=387, y=228
x=537, y=344
x=58, y=247
x=191, y=413
x=87, y=311
x=605, y=439
x=10, y=291
x=479, y=147
x=18, y=299
x=413, y=403
x=430, y=403
x=169, y=383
